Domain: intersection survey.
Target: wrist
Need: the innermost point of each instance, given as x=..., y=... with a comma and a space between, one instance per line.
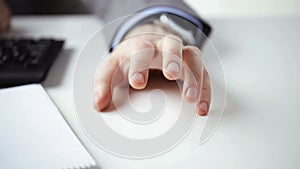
x=191, y=29
x=149, y=29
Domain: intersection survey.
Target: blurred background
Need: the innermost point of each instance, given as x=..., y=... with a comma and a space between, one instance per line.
x=207, y=8
x=245, y=8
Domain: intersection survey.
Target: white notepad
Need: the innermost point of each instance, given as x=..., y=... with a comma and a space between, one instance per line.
x=34, y=135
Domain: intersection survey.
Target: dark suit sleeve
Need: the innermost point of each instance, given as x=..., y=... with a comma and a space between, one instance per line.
x=115, y=12
x=109, y=10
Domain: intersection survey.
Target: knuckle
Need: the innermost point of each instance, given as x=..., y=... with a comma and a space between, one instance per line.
x=194, y=76
x=192, y=50
x=140, y=42
x=173, y=52
x=137, y=42
x=173, y=38
x=197, y=74
x=205, y=94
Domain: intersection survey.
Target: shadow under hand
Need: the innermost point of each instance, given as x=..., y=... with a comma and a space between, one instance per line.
x=122, y=94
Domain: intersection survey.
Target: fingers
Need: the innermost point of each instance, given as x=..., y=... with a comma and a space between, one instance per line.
x=205, y=98
x=196, y=85
x=171, y=47
x=114, y=68
x=103, y=83
x=141, y=55
x=196, y=82
x=193, y=73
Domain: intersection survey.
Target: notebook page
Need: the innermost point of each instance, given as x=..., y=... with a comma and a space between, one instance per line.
x=34, y=135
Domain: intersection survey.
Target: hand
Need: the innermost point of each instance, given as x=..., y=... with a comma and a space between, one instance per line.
x=161, y=50
x=5, y=16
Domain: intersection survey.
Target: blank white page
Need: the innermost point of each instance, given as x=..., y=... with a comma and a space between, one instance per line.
x=34, y=135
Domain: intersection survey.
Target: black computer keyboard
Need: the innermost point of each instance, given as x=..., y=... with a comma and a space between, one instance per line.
x=25, y=61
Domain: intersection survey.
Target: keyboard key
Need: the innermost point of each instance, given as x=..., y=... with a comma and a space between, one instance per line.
x=24, y=61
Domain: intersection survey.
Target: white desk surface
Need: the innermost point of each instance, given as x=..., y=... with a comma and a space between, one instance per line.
x=261, y=122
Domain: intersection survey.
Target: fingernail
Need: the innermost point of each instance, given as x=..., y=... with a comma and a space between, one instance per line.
x=138, y=78
x=192, y=92
x=203, y=108
x=173, y=67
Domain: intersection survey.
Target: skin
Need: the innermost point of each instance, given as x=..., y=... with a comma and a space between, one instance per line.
x=5, y=16
x=157, y=48
x=162, y=50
